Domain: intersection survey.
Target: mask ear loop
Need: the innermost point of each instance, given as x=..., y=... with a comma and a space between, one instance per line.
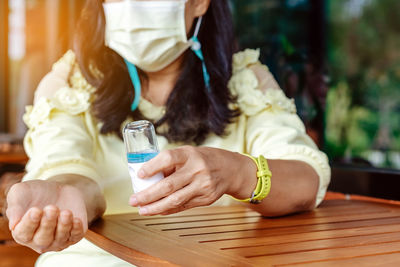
x=196, y=48
x=133, y=73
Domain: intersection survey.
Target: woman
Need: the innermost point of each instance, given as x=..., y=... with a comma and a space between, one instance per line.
x=134, y=61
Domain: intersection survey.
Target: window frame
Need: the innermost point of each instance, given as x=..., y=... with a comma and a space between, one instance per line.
x=4, y=90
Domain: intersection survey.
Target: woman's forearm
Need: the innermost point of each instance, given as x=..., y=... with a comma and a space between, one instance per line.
x=90, y=190
x=201, y=175
x=294, y=187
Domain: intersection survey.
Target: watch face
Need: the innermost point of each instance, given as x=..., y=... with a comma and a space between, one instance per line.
x=254, y=201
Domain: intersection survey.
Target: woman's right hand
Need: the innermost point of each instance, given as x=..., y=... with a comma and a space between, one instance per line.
x=46, y=215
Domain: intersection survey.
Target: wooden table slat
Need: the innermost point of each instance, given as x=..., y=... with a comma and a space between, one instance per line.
x=248, y=231
x=387, y=260
x=204, y=228
x=218, y=211
x=305, y=237
x=233, y=219
x=304, y=246
x=328, y=254
x=339, y=230
x=142, y=241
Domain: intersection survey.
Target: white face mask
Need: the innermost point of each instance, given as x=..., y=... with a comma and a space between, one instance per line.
x=148, y=34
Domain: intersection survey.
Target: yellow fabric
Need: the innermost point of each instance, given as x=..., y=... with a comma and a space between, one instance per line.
x=64, y=137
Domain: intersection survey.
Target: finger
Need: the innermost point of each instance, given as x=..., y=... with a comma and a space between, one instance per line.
x=17, y=208
x=26, y=228
x=165, y=161
x=44, y=235
x=63, y=231
x=198, y=201
x=199, y=198
x=77, y=232
x=78, y=207
x=193, y=203
x=163, y=188
x=14, y=215
x=168, y=171
x=174, y=201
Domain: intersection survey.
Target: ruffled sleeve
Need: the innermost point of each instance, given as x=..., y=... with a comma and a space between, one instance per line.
x=61, y=135
x=273, y=127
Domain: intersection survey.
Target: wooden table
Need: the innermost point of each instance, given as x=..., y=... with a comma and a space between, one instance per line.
x=338, y=233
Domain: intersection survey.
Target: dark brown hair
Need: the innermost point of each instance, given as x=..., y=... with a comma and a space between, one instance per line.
x=192, y=111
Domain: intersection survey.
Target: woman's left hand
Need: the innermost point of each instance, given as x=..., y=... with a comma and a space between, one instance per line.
x=194, y=176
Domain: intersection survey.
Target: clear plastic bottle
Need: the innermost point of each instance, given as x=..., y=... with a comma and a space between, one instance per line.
x=141, y=146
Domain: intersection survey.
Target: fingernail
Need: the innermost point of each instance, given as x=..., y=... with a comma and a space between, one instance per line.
x=77, y=223
x=12, y=223
x=35, y=216
x=64, y=218
x=143, y=211
x=133, y=201
x=141, y=174
x=50, y=214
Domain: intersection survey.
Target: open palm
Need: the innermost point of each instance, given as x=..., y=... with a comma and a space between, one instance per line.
x=46, y=215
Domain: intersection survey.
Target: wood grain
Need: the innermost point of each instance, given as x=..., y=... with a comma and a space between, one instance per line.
x=345, y=232
x=387, y=260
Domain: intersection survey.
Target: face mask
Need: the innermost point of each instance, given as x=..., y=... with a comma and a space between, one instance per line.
x=150, y=35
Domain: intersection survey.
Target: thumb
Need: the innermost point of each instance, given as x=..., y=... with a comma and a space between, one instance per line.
x=14, y=215
x=17, y=196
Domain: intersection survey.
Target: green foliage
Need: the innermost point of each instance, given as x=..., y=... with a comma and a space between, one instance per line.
x=337, y=113
x=363, y=104
x=364, y=61
x=277, y=27
x=362, y=129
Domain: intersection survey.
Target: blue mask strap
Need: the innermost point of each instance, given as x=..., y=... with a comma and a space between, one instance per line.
x=133, y=73
x=196, y=48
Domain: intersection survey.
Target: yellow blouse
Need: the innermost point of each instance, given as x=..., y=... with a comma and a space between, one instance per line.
x=64, y=137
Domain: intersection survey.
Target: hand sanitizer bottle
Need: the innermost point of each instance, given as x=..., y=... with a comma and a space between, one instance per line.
x=141, y=146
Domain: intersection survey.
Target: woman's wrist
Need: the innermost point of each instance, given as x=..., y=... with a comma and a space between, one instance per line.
x=244, y=177
x=87, y=190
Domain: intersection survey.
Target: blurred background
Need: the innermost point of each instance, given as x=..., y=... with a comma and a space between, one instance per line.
x=339, y=60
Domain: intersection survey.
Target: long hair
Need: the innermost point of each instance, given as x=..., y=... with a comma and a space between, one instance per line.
x=192, y=111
